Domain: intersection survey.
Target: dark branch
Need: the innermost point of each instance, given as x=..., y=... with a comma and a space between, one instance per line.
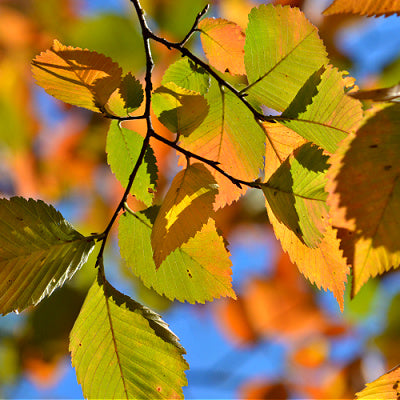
x=194, y=27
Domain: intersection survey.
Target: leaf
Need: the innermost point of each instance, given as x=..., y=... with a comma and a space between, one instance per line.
x=123, y=148
x=282, y=51
x=390, y=94
x=364, y=194
x=323, y=265
x=180, y=110
x=80, y=77
x=368, y=8
x=321, y=112
x=223, y=43
x=126, y=98
x=131, y=92
x=386, y=386
x=296, y=194
x=187, y=75
x=187, y=206
x=39, y=251
x=198, y=271
x=281, y=142
x=229, y=135
x=123, y=350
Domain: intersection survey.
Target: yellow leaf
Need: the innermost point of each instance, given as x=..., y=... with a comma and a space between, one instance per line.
x=365, y=7
x=80, y=77
x=187, y=206
x=364, y=194
x=385, y=387
x=324, y=265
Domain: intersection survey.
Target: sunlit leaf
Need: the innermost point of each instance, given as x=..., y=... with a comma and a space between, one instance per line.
x=223, y=43
x=365, y=194
x=180, y=110
x=324, y=265
x=187, y=206
x=229, y=135
x=123, y=350
x=39, y=251
x=390, y=94
x=386, y=386
x=123, y=149
x=296, y=194
x=280, y=143
x=369, y=7
x=282, y=51
x=187, y=75
x=80, y=77
x=198, y=271
x=321, y=112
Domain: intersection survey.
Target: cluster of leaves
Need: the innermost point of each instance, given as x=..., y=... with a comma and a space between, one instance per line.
x=309, y=160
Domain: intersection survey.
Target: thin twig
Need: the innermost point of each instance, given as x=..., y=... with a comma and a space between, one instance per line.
x=211, y=163
x=194, y=26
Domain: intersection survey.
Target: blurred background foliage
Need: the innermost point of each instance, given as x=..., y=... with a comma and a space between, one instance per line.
x=282, y=338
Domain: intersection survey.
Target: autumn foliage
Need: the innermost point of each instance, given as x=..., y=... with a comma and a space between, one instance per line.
x=264, y=110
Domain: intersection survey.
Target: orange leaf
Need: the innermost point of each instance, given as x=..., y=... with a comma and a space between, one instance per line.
x=187, y=206
x=229, y=135
x=223, y=43
x=281, y=141
x=366, y=7
x=324, y=265
x=385, y=387
x=232, y=318
x=80, y=77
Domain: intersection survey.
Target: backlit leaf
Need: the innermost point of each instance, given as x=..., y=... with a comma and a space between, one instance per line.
x=229, y=135
x=180, y=110
x=123, y=350
x=323, y=265
x=198, y=271
x=223, y=43
x=39, y=251
x=123, y=149
x=80, y=77
x=367, y=7
x=322, y=112
x=296, y=194
x=187, y=206
x=365, y=194
x=187, y=75
x=280, y=143
x=282, y=51
x=386, y=386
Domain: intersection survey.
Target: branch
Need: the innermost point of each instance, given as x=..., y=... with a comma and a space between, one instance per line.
x=211, y=163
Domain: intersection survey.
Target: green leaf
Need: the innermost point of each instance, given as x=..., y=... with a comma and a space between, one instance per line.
x=187, y=75
x=322, y=112
x=131, y=92
x=180, y=110
x=123, y=148
x=282, y=51
x=187, y=206
x=123, y=350
x=198, y=271
x=39, y=251
x=296, y=194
